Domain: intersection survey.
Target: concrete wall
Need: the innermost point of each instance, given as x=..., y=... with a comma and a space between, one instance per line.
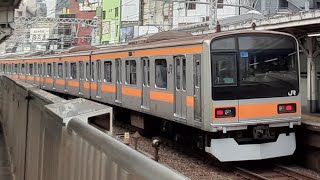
x=51, y=138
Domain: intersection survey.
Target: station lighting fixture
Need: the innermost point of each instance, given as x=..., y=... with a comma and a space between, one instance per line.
x=314, y=34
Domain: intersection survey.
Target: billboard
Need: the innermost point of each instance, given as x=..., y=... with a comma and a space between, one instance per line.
x=88, y=5
x=39, y=34
x=126, y=34
x=130, y=10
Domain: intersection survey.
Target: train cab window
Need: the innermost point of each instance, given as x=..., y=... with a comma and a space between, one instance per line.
x=23, y=69
x=161, y=73
x=60, y=70
x=131, y=73
x=49, y=70
x=224, y=68
x=108, y=71
x=224, y=44
x=81, y=69
x=87, y=72
x=30, y=69
x=73, y=71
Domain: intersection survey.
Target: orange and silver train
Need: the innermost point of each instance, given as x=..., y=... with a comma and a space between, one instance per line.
x=233, y=94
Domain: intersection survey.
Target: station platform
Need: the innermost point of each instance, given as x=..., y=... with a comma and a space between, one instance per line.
x=5, y=172
x=312, y=119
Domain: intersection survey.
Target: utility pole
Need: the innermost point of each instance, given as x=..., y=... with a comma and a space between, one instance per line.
x=213, y=13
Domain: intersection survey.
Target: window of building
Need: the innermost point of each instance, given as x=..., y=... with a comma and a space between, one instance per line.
x=31, y=69
x=220, y=4
x=49, y=70
x=116, y=12
x=131, y=75
x=19, y=13
x=161, y=73
x=190, y=5
x=108, y=71
x=60, y=70
x=73, y=71
x=104, y=14
x=23, y=69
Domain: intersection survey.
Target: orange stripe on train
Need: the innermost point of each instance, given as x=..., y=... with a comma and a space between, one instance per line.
x=131, y=91
x=108, y=88
x=162, y=96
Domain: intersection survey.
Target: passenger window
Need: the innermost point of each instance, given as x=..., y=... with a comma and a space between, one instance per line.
x=224, y=68
x=23, y=69
x=108, y=71
x=161, y=73
x=81, y=70
x=73, y=70
x=87, y=71
x=31, y=69
x=60, y=70
x=49, y=70
x=131, y=75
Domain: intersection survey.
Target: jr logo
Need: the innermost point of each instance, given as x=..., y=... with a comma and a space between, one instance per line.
x=292, y=93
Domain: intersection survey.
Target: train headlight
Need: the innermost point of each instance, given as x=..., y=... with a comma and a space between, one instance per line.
x=225, y=112
x=287, y=108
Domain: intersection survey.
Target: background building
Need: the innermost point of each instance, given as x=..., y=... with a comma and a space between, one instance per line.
x=111, y=21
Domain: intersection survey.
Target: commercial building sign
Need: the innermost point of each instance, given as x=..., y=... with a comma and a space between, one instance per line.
x=39, y=34
x=88, y=5
x=126, y=34
x=106, y=27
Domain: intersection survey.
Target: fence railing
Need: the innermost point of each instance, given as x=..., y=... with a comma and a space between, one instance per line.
x=55, y=139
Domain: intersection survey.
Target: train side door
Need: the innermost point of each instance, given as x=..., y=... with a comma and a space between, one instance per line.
x=98, y=65
x=197, y=87
x=118, y=81
x=180, y=87
x=81, y=77
x=145, y=83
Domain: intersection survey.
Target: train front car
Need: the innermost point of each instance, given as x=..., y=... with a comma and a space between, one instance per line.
x=254, y=101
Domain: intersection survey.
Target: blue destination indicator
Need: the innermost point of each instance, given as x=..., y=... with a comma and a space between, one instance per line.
x=244, y=54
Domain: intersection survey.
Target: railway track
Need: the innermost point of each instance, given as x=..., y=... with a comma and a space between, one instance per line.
x=276, y=172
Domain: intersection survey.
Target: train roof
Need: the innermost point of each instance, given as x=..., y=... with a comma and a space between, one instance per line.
x=157, y=42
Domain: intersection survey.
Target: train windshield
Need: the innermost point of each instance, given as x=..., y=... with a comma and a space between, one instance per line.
x=254, y=66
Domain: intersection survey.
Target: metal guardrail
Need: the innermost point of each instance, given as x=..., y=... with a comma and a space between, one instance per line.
x=55, y=139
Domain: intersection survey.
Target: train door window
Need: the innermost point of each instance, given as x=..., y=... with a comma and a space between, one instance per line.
x=81, y=70
x=54, y=69
x=60, y=70
x=30, y=69
x=131, y=74
x=66, y=68
x=224, y=66
x=161, y=73
x=15, y=68
x=9, y=68
x=23, y=68
x=118, y=69
x=98, y=70
x=35, y=69
x=92, y=71
x=108, y=71
x=184, y=66
x=39, y=69
x=73, y=71
x=178, y=78
x=197, y=73
x=49, y=70
x=87, y=71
